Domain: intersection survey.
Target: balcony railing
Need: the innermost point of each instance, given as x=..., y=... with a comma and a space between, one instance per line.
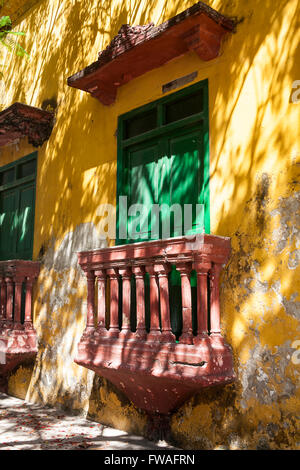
x=129, y=338
x=17, y=335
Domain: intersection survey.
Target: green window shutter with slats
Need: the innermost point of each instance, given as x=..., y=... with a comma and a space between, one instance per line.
x=17, y=201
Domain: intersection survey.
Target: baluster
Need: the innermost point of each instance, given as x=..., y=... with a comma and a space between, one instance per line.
x=186, y=294
x=2, y=301
x=202, y=270
x=101, y=286
x=114, y=301
x=126, y=297
x=9, y=301
x=162, y=271
x=28, y=324
x=154, y=334
x=141, y=332
x=18, y=280
x=90, y=299
x=215, y=327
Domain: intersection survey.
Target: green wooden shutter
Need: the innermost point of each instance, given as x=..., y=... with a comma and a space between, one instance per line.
x=25, y=221
x=163, y=158
x=8, y=223
x=143, y=182
x=166, y=172
x=186, y=179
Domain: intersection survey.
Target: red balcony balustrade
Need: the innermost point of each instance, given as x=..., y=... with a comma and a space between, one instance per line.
x=18, y=342
x=129, y=339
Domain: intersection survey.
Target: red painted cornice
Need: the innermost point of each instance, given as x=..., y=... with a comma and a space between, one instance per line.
x=20, y=120
x=138, y=49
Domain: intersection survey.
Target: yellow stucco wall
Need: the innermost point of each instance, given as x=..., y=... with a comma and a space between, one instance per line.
x=254, y=191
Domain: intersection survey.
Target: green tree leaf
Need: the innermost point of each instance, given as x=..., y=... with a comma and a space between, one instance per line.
x=7, y=41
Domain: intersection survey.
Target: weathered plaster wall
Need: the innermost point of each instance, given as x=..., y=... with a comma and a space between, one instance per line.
x=254, y=190
x=15, y=9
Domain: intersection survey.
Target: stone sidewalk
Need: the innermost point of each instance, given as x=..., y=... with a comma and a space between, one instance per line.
x=26, y=426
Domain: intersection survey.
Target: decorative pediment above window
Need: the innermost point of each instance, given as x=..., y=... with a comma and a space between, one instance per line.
x=157, y=370
x=138, y=49
x=16, y=8
x=18, y=339
x=21, y=120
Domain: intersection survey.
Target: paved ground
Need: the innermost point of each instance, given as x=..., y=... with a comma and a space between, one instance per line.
x=25, y=426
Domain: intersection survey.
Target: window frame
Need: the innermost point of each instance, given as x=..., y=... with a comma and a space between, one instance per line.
x=160, y=130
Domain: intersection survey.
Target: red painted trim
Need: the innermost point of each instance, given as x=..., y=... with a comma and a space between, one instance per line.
x=138, y=49
x=204, y=247
x=114, y=302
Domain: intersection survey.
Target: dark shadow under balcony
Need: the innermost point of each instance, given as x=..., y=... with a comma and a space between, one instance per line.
x=129, y=338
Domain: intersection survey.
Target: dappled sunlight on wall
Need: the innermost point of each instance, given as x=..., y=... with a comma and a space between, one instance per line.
x=254, y=167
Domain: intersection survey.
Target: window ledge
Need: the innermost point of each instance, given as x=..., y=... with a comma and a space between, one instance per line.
x=20, y=120
x=138, y=49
